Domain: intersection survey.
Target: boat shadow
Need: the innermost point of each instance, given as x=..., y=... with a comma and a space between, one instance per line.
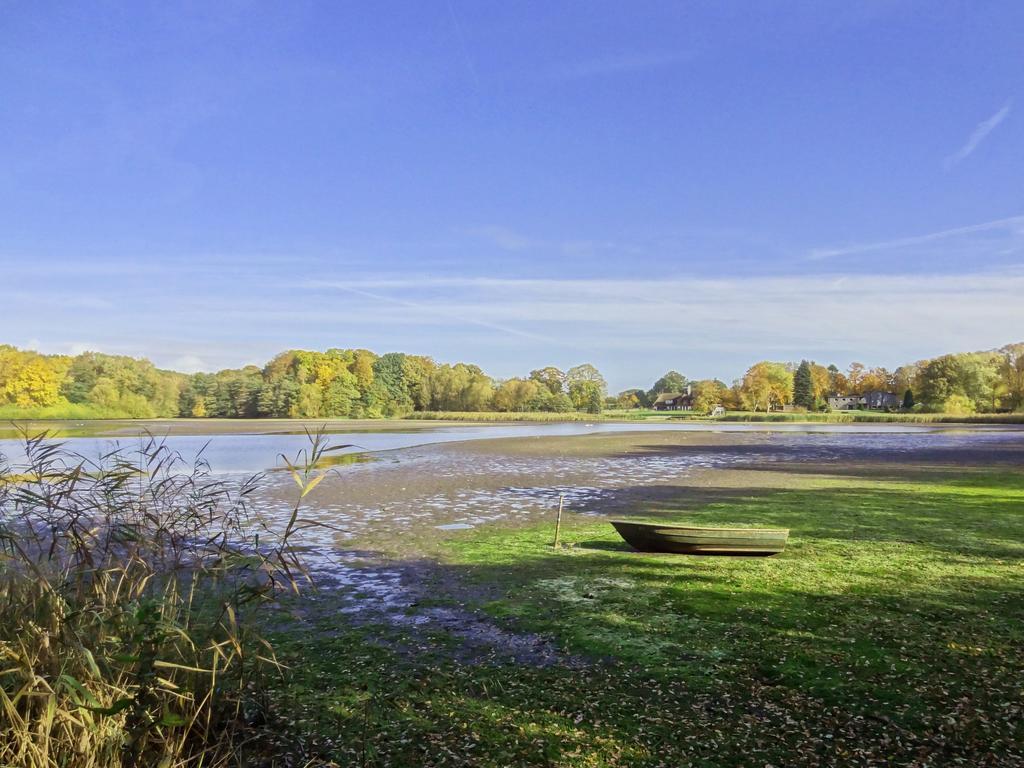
x=604, y=546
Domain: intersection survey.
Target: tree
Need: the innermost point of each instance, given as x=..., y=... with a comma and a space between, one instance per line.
x=838, y=383
x=460, y=387
x=560, y=403
x=416, y=370
x=550, y=378
x=821, y=383
x=673, y=381
x=708, y=394
x=1011, y=372
x=855, y=377
x=586, y=373
x=516, y=395
x=908, y=399
x=389, y=374
x=958, y=405
x=586, y=395
x=973, y=376
x=766, y=385
x=630, y=398
x=35, y=382
x=803, y=386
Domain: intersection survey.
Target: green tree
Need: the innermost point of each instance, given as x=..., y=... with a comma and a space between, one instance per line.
x=460, y=387
x=673, y=381
x=803, y=386
x=908, y=399
x=586, y=373
x=586, y=395
x=416, y=370
x=516, y=395
x=630, y=398
x=389, y=374
x=958, y=405
x=1011, y=372
x=550, y=378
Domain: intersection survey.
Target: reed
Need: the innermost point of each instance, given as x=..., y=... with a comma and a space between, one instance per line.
x=129, y=591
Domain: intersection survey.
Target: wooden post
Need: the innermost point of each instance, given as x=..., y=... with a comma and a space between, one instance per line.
x=558, y=520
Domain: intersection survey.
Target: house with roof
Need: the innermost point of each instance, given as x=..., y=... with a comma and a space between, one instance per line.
x=674, y=401
x=875, y=399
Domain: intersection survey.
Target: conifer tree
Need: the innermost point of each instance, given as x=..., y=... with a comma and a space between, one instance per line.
x=803, y=386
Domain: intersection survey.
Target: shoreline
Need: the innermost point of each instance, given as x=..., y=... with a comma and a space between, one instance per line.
x=113, y=428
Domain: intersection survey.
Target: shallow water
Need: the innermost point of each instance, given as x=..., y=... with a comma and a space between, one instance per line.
x=231, y=453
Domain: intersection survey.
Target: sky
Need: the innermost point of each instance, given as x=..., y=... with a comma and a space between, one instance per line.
x=644, y=186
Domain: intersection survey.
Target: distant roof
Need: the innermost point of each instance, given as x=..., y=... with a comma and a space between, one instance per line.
x=665, y=396
x=865, y=394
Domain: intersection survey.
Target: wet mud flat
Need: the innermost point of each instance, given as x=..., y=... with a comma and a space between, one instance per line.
x=398, y=510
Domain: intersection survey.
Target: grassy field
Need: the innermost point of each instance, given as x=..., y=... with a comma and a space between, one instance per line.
x=890, y=632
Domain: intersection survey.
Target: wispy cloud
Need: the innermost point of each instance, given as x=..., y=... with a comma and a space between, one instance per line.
x=632, y=328
x=638, y=326
x=503, y=237
x=621, y=64
x=1012, y=226
x=509, y=239
x=452, y=314
x=461, y=37
x=978, y=135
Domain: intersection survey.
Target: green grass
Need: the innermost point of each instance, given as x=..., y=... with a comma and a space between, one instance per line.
x=890, y=631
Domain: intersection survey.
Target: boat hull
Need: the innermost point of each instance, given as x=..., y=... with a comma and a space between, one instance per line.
x=685, y=540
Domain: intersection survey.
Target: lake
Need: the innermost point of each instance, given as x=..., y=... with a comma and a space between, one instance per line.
x=239, y=452
x=424, y=484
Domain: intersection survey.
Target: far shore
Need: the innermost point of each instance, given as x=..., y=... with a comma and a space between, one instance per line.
x=267, y=426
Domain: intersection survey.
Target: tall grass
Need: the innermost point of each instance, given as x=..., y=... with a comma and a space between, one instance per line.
x=128, y=590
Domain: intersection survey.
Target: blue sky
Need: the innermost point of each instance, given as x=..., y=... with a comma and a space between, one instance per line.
x=643, y=186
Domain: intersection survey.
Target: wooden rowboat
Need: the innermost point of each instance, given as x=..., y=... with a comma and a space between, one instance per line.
x=689, y=540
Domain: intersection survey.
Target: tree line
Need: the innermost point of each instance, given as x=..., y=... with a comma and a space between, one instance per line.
x=338, y=383
x=357, y=383
x=964, y=383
